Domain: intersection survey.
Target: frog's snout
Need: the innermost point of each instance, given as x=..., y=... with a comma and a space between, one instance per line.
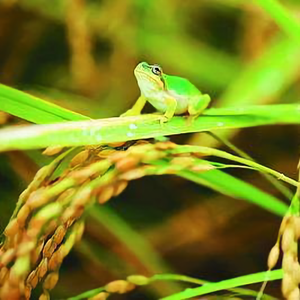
x=142, y=66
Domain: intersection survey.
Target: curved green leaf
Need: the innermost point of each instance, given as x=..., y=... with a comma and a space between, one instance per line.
x=33, y=109
x=112, y=130
x=226, y=284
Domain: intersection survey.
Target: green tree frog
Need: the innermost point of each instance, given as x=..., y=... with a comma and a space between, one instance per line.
x=168, y=94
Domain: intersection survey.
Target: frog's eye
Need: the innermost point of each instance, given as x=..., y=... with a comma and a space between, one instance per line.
x=156, y=70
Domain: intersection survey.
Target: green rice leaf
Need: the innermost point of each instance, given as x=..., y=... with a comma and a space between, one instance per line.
x=33, y=109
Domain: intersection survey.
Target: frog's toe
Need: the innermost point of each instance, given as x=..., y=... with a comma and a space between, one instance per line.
x=163, y=120
x=191, y=119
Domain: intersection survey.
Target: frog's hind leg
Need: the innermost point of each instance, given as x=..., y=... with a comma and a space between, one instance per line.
x=198, y=104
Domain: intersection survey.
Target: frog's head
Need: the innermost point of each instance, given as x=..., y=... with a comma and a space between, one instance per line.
x=149, y=77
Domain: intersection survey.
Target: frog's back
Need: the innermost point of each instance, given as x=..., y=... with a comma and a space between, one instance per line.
x=180, y=89
x=181, y=86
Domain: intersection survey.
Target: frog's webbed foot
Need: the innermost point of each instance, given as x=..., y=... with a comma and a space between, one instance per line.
x=191, y=119
x=164, y=119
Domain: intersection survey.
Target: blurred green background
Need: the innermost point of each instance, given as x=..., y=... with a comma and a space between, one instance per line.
x=81, y=54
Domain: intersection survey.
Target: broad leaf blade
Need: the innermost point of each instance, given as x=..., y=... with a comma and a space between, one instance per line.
x=226, y=284
x=236, y=188
x=33, y=109
x=112, y=130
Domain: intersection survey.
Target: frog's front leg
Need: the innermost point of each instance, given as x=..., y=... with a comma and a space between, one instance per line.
x=136, y=108
x=171, y=104
x=198, y=104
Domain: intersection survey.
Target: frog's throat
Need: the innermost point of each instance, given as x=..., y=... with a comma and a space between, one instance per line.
x=144, y=76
